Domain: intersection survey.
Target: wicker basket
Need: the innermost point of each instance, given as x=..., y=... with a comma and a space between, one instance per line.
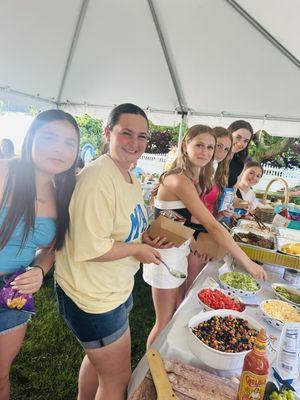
x=267, y=214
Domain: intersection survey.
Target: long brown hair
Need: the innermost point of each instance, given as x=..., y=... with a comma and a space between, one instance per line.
x=182, y=164
x=241, y=124
x=222, y=172
x=20, y=190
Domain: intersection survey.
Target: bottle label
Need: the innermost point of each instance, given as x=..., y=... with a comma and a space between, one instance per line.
x=252, y=386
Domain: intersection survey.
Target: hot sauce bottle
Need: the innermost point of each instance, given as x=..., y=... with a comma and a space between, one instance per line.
x=255, y=370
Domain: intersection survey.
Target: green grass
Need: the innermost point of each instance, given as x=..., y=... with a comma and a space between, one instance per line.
x=48, y=363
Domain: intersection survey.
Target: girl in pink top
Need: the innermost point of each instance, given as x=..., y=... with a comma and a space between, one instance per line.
x=211, y=198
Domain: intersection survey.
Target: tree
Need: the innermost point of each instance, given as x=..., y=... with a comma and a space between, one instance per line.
x=91, y=131
x=278, y=151
x=160, y=137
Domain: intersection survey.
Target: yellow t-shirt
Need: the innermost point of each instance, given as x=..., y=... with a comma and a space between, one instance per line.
x=104, y=208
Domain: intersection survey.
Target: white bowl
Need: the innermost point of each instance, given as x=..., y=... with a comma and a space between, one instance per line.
x=228, y=293
x=240, y=292
x=215, y=358
x=276, y=323
x=289, y=288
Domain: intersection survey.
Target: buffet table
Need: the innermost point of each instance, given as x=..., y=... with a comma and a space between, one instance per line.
x=172, y=342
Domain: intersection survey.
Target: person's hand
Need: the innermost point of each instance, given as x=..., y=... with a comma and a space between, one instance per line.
x=158, y=243
x=147, y=254
x=29, y=282
x=255, y=270
x=203, y=258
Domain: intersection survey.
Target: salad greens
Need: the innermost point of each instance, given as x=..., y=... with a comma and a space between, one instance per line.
x=241, y=281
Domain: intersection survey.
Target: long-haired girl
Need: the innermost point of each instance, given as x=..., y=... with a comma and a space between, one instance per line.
x=178, y=191
x=35, y=191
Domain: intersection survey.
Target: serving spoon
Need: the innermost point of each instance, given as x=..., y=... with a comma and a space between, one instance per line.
x=173, y=272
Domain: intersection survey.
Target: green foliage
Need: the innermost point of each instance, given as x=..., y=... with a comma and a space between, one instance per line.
x=91, y=131
x=279, y=151
x=160, y=137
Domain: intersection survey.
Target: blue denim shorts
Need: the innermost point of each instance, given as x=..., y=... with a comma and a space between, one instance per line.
x=94, y=331
x=11, y=319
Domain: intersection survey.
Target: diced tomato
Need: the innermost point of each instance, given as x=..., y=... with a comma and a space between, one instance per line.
x=216, y=299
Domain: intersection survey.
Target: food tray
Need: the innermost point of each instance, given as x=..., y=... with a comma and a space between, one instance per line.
x=292, y=234
x=252, y=225
x=287, y=287
x=281, y=241
x=269, y=256
x=264, y=235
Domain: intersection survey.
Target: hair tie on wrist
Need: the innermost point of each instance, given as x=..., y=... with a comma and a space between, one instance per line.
x=38, y=266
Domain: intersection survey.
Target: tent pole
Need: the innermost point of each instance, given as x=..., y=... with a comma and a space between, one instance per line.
x=79, y=23
x=174, y=78
x=264, y=32
x=180, y=136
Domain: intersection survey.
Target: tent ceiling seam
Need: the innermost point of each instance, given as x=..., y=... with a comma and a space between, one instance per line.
x=178, y=91
x=264, y=32
x=225, y=114
x=74, y=41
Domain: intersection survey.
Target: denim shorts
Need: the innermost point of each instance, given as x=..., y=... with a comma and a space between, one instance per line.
x=94, y=331
x=11, y=319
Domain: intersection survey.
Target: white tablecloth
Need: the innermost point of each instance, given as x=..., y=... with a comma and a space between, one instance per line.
x=172, y=342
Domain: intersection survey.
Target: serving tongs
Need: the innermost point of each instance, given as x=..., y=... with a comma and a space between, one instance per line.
x=236, y=234
x=261, y=225
x=160, y=378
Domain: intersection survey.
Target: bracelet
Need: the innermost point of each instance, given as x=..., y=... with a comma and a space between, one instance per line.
x=38, y=266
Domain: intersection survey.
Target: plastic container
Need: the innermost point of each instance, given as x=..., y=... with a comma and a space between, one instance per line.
x=292, y=276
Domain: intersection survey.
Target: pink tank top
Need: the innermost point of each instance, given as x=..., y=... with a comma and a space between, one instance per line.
x=210, y=198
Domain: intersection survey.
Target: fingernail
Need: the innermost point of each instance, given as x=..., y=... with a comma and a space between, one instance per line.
x=12, y=283
x=14, y=287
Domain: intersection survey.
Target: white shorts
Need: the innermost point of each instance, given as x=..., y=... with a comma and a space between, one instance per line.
x=158, y=276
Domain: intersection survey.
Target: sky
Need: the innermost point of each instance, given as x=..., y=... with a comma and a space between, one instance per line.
x=13, y=125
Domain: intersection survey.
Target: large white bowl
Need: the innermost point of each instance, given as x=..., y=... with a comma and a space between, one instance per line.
x=215, y=358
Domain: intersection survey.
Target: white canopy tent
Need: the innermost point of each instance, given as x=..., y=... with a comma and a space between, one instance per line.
x=212, y=60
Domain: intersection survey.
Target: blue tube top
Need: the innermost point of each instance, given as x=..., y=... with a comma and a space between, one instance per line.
x=42, y=236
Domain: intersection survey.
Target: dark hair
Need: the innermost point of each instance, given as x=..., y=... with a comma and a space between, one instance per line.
x=104, y=148
x=10, y=147
x=126, y=108
x=241, y=124
x=80, y=162
x=251, y=164
x=20, y=189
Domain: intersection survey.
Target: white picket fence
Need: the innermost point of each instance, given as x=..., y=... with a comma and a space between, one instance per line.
x=154, y=164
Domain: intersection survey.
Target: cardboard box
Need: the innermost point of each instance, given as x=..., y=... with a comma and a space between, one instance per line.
x=205, y=244
x=173, y=231
x=239, y=203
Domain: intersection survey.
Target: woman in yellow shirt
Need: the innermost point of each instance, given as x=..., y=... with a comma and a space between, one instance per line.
x=102, y=252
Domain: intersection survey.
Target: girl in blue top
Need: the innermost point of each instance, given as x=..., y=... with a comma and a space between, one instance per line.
x=34, y=196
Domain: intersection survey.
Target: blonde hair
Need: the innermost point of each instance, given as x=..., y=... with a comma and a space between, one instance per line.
x=222, y=172
x=182, y=164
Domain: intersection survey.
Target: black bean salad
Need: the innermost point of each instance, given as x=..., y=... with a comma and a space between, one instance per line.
x=227, y=334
